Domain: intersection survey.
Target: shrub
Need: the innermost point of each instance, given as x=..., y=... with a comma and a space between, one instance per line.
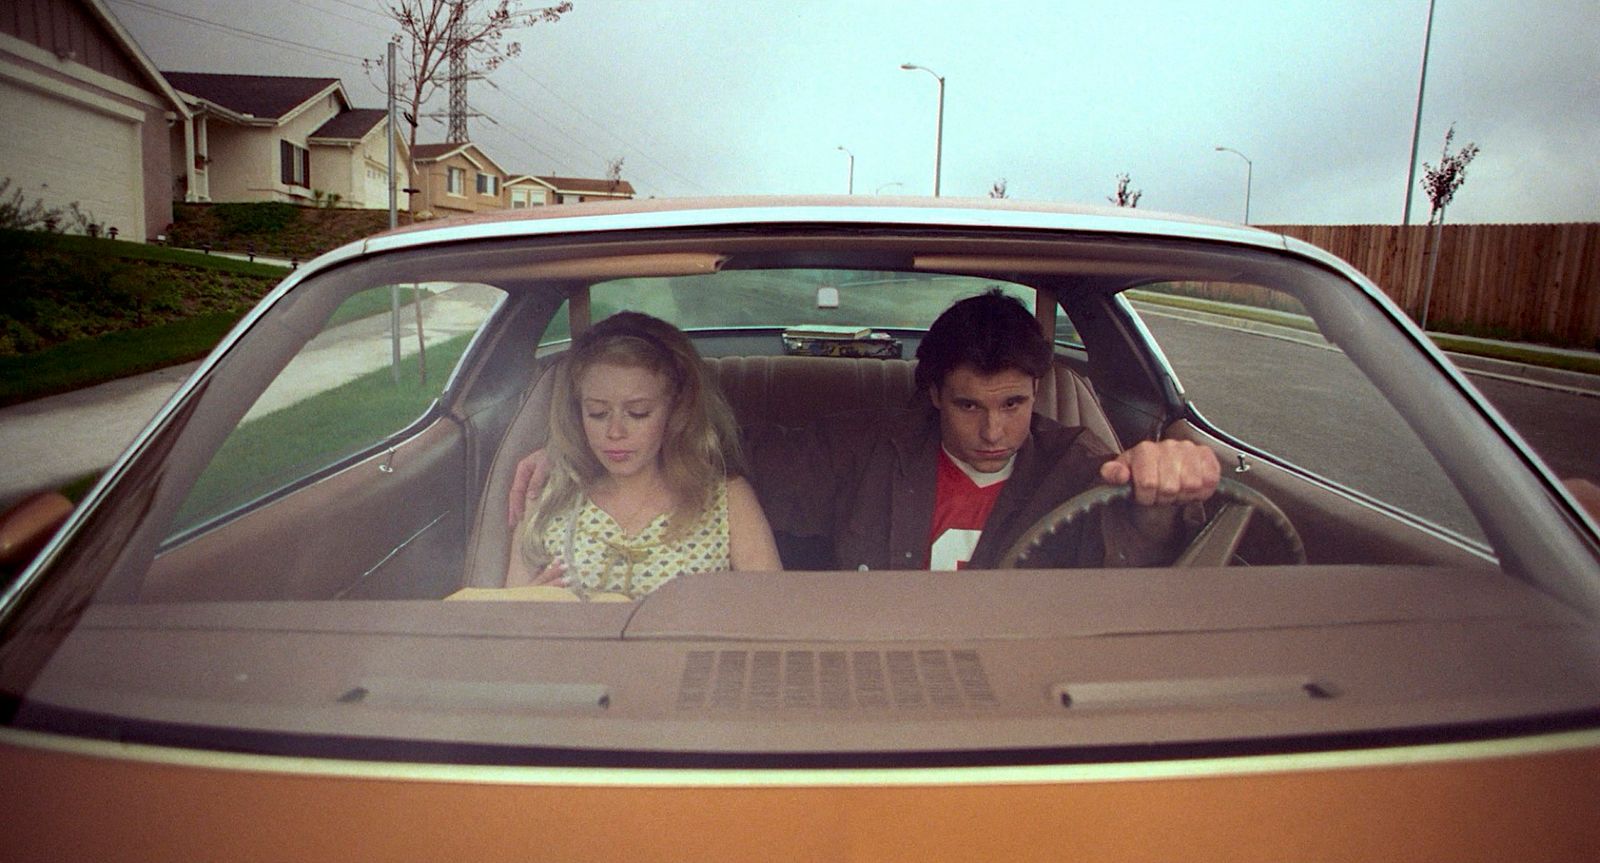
x=17, y=214
x=267, y=217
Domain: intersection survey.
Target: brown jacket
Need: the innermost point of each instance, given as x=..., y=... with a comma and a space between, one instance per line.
x=866, y=480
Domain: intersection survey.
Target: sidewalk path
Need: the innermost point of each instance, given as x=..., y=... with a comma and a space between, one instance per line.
x=52, y=441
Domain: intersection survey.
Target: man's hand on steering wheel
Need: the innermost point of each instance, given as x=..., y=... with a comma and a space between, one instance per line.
x=1165, y=472
x=1169, y=472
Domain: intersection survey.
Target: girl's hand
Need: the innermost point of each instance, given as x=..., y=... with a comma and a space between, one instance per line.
x=555, y=574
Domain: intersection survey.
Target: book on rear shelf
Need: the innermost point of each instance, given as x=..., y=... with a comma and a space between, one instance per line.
x=827, y=331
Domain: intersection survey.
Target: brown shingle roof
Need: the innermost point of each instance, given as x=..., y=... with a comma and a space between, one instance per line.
x=352, y=125
x=434, y=151
x=264, y=96
x=588, y=185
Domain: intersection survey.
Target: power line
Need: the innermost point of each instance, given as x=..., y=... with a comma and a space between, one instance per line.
x=325, y=11
x=331, y=54
x=377, y=13
x=635, y=181
x=324, y=53
x=510, y=130
x=572, y=139
x=586, y=149
x=603, y=128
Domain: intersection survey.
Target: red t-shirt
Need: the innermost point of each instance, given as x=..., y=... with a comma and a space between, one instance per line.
x=962, y=500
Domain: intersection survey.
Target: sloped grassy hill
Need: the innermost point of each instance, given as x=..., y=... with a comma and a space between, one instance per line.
x=275, y=229
x=75, y=311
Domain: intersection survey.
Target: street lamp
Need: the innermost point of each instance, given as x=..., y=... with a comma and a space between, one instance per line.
x=1249, y=172
x=938, y=133
x=1416, y=122
x=850, y=181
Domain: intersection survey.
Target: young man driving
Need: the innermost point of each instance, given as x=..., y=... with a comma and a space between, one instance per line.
x=952, y=483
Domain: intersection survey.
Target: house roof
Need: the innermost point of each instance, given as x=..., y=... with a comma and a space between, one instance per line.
x=579, y=185
x=352, y=125
x=141, y=60
x=440, y=152
x=266, y=97
x=434, y=152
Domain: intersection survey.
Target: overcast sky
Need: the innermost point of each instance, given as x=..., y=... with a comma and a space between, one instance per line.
x=1056, y=97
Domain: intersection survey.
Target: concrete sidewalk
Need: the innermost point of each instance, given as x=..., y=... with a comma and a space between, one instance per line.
x=52, y=441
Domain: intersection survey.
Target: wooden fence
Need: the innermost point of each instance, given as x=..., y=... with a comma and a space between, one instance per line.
x=1538, y=283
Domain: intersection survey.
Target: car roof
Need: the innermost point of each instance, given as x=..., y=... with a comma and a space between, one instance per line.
x=841, y=209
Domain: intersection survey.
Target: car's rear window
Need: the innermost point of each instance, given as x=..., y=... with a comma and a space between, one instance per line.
x=884, y=300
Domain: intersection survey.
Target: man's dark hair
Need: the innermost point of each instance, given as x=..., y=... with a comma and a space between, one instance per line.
x=991, y=332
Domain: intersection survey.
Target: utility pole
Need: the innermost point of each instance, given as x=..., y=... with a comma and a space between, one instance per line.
x=394, y=219
x=1416, y=124
x=394, y=193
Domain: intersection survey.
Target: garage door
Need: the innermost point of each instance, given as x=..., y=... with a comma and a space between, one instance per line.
x=59, y=151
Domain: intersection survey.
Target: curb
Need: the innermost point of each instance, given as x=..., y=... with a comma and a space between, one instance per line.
x=1561, y=380
x=1576, y=383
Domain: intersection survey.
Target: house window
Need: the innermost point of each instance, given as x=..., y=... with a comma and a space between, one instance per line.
x=294, y=164
x=456, y=181
x=488, y=185
x=521, y=199
x=571, y=199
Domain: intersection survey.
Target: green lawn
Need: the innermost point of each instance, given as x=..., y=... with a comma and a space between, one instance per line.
x=91, y=361
x=266, y=453
x=163, y=254
x=88, y=361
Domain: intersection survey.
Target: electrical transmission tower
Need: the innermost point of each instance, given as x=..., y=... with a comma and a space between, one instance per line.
x=456, y=118
x=457, y=133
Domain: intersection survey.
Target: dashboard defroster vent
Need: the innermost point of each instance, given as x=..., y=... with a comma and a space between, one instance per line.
x=767, y=680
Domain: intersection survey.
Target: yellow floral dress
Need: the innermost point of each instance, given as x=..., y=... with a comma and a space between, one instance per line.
x=602, y=558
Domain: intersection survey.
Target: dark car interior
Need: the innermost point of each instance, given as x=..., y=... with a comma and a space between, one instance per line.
x=496, y=411
x=309, y=614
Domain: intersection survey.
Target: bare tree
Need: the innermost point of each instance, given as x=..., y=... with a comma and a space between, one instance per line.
x=614, y=173
x=1441, y=184
x=1125, y=197
x=432, y=32
x=998, y=190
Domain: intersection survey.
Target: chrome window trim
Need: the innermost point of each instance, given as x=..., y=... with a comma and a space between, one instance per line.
x=1414, y=755
x=1573, y=554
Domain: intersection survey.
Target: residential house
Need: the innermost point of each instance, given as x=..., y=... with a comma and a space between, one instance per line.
x=86, y=116
x=287, y=138
x=526, y=190
x=350, y=159
x=457, y=178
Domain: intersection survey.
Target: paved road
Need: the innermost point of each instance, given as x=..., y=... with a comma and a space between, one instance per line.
x=1560, y=426
x=1309, y=405
x=1320, y=407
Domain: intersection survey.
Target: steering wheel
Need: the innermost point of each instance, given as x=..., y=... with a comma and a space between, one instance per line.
x=1214, y=545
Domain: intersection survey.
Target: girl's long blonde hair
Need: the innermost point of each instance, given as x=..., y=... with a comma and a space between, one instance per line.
x=700, y=444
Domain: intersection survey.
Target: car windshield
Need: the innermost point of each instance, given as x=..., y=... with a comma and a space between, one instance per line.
x=310, y=554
